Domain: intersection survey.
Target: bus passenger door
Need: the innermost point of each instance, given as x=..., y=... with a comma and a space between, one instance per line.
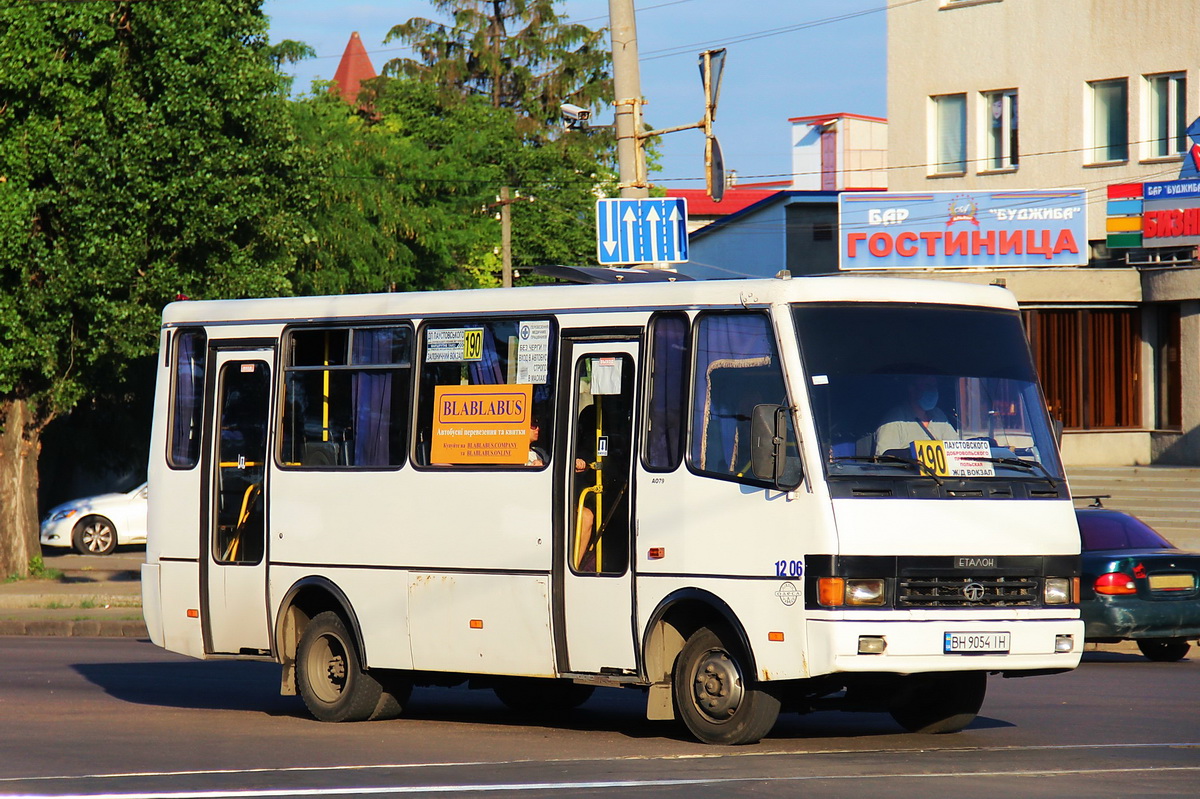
x=596, y=471
x=234, y=589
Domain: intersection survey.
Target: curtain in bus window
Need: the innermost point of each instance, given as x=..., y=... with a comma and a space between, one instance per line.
x=189, y=386
x=668, y=393
x=371, y=396
x=488, y=369
x=734, y=370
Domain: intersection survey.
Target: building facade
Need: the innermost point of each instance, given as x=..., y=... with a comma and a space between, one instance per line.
x=1013, y=95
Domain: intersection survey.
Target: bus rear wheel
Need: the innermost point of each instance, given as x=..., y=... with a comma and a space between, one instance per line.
x=939, y=703
x=329, y=674
x=715, y=697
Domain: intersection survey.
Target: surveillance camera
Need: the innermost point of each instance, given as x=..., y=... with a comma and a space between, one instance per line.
x=575, y=113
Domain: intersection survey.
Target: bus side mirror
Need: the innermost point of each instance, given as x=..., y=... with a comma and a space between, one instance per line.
x=769, y=458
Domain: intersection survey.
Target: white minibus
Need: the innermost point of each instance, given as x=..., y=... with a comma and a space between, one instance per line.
x=740, y=497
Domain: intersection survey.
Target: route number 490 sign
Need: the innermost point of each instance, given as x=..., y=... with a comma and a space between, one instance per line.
x=955, y=458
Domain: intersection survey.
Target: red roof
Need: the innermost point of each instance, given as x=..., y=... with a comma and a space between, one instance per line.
x=700, y=204
x=823, y=118
x=354, y=68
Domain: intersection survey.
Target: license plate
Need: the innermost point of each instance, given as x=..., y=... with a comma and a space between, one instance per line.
x=1172, y=582
x=976, y=643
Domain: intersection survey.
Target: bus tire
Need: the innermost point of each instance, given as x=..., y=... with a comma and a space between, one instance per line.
x=939, y=703
x=329, y=673
x=715, y=697
x=396, y=688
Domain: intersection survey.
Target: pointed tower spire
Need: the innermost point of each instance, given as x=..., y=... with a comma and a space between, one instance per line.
x=354, y=68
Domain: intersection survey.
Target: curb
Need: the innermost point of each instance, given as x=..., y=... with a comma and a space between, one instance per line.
x=89, y=628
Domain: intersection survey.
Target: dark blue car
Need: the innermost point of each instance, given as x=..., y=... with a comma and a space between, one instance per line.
x=1136, y=585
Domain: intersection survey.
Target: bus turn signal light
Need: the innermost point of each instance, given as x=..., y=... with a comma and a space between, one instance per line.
x=476, y=624
x=831, y=591
x=657, y=553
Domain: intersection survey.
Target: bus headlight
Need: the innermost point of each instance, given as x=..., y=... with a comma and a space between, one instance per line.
x=1057, y=591
x=839, y=591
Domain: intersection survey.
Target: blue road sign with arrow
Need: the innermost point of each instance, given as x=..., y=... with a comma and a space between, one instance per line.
x=641, y=231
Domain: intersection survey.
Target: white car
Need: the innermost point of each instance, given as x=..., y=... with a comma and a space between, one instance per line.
x=96, y=525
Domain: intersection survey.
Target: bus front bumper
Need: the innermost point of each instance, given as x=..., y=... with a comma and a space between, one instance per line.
x=912, y=647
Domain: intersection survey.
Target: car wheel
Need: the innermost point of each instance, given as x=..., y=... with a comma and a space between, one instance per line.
x=94, y=535
x=939, y=703
x=718, y=700
x=1164, y=650
x=330, y=677
x=531, y=696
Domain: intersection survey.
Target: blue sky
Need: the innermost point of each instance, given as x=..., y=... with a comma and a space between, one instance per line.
x=787, y=58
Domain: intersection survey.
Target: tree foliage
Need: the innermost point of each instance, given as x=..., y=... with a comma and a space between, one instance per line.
x=519, y=54
x=146, y=150
x=524, y=56
x=403, y=190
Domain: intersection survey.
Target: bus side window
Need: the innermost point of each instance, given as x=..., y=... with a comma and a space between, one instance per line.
x=666, y=421
x=187, y=398
x=736, y=368
x=346, y=397
x=502, y=367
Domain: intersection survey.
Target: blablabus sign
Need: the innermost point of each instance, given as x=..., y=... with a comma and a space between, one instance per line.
x=945, y=229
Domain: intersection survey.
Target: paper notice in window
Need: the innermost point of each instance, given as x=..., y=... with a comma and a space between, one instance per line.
x=533, y=352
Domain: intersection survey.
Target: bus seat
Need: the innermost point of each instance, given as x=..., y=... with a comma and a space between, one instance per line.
x=320, y=453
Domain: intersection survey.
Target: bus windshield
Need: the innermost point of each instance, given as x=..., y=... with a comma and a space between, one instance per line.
x=939, y=390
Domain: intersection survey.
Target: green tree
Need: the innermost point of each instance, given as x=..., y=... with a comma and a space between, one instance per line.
x=520, y=54
x=403, y=189
x=146, y=150
x=524, y=56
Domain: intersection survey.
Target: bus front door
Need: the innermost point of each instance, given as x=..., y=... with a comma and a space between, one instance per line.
x=234, y=586
x=597, y=472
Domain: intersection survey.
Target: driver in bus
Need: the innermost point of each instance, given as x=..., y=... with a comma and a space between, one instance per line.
x=917, y=418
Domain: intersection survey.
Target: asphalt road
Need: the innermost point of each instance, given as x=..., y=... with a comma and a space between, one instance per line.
x=122, y=718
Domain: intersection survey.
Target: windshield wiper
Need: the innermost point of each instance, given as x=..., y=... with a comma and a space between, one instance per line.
x=1024, y=464
x=922, y=468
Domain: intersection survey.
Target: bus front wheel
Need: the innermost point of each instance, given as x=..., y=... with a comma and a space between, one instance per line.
x=939, y=703
x=718, y=702
x=329, y=673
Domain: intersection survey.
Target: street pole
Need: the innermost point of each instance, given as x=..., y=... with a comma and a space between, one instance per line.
x=505, y=238
x=627, y=86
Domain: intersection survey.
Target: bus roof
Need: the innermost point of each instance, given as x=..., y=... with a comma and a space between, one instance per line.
x=618, y=297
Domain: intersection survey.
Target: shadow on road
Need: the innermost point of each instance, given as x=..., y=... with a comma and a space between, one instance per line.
x=254, y=688
x=200, y=685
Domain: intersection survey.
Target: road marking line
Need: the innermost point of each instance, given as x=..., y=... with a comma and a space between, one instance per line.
x=625, y=758
x=576, y=786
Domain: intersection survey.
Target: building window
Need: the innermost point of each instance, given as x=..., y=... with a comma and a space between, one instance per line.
x=1089, y=364
x=1110, y=120
x=1001, y=136
x=950, y=132
x=1166, y=107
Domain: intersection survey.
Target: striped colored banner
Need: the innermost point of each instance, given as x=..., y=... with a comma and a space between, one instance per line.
x=1124, y=210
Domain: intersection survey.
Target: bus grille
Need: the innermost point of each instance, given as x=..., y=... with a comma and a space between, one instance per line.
x=953, y=592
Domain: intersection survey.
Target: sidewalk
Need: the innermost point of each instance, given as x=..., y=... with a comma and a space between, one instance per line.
x=96, y=596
